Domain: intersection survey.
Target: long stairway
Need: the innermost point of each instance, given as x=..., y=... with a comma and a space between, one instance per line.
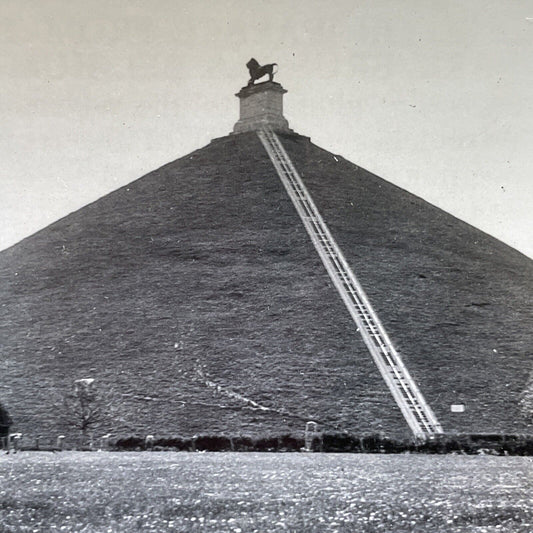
x=410, y=400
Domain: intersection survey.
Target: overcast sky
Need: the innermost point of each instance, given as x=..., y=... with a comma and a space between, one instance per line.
x=435, y=97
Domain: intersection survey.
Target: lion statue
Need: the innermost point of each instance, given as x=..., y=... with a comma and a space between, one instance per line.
x=258, y=71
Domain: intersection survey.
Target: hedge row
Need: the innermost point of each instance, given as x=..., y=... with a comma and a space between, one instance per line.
x=468, y=444
x=338, y=443
x=213, y=443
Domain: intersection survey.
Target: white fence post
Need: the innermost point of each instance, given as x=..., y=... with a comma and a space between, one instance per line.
x=311, y=432
x=149, y=442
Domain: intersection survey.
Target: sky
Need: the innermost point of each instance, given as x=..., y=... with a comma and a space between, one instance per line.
x=435, y=97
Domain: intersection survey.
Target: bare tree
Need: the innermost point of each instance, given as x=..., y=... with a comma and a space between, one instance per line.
x=87, y=407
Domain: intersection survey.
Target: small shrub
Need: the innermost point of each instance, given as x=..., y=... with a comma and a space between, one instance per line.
x=528, y=446
x=518, y=445
x=176, y=443
x=316, y=444
x=288, y=443
x=243, y=444
x=436, y=446
x=213, y=443
x=339, y=442
x=370, y=443
x=400, y=446
x=266, y=444
x=453, y=445
x=130, y=443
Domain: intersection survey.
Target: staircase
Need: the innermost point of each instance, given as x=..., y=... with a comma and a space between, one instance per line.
x=412, y=404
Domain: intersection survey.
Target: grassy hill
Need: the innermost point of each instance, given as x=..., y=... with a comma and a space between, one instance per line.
x=196, y=286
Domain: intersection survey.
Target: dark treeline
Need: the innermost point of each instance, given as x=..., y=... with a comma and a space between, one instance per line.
x=338, y=443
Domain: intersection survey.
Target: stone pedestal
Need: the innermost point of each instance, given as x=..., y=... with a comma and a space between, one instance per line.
x=261, y=105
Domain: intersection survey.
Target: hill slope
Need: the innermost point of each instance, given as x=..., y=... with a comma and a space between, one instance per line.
x=200, y=275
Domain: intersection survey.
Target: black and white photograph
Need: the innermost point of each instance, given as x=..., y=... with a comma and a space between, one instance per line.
x=266, y=266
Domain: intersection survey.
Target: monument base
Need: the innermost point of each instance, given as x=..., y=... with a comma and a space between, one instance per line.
x=261, y=105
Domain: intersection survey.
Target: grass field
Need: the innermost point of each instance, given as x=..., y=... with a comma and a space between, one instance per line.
x=241, y=493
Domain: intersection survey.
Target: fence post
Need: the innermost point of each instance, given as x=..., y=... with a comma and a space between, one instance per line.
x=104, y=441
x=60, y=442
x=149, y=442
x=311, y=432
x=14, y=439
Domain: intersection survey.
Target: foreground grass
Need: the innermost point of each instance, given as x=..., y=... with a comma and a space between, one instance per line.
x=241, y=493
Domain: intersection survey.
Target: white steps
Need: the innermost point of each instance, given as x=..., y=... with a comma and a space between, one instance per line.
x=410, y=400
